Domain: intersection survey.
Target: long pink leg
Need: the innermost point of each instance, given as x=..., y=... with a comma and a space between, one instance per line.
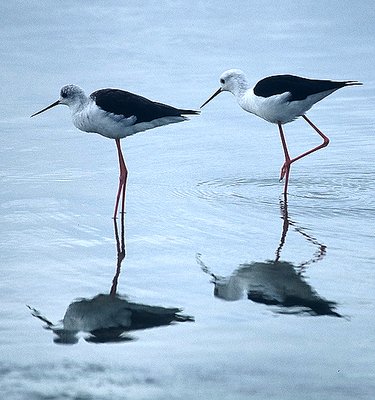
x=122, y=180
x=286, y=166
x=288, y=161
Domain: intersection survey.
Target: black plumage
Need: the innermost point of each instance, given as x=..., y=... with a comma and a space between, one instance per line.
x=124, y=103
x=300, y=88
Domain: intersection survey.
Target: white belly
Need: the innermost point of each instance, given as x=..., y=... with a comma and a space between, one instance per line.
x=95, y=120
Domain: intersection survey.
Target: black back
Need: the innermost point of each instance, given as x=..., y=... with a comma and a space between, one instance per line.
x=299, y=87
x=124, y=103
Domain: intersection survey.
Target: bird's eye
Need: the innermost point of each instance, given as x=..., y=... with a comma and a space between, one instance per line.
x=222, y=81
x=64, y=94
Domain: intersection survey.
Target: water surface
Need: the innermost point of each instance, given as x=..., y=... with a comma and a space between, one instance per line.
x=249, y=297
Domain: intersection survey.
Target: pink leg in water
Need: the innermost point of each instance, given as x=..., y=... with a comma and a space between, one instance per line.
x=285, y=169
x=122, y=180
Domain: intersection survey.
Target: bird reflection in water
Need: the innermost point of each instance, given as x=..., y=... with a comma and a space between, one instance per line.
x=276, y=283
x=107, y=318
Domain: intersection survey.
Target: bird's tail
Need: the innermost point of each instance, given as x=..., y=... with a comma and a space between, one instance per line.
x=189, y=112
x=352, y=83
x=184, y=318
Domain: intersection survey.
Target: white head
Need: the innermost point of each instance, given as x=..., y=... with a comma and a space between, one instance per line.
x=70, y=95
x=232, y=80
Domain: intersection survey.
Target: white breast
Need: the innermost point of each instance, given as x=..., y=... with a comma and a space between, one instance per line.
x=93, y=119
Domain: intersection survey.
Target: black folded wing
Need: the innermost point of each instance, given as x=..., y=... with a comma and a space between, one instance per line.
x=300, y=88
x=124, y=103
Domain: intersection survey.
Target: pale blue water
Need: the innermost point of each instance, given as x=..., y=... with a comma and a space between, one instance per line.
x=278, y=313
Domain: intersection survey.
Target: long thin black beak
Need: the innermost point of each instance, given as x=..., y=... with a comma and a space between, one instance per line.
x=214, y=95
x=47, y=108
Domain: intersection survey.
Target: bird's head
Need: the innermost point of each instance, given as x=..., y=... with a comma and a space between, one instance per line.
x=232, y=80
x=70, y=95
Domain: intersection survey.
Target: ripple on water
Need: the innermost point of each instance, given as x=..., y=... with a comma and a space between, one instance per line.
x=318, y=196
x=234, y=190
x=339, y=195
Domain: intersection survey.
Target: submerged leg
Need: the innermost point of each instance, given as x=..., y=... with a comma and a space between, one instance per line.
x=122, y=180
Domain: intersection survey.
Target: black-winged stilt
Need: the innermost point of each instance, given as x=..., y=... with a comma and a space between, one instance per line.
x=280, y=99
x=115, y=114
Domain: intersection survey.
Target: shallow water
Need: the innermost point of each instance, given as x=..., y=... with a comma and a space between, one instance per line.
x=277, y=302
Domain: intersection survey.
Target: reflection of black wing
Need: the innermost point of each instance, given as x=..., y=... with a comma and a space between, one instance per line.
x=274, y=283
x=318, y=306
x=107, y=317
x=124, y=103
x=143, y=316
x=113, y=311
x=139, y=316
x=299, y=87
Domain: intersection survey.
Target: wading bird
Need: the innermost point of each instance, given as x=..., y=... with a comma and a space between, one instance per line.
x=280, y=99
x=115, y=114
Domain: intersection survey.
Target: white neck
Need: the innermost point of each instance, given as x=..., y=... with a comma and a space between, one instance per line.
x=78, y=105
x=239, y=86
